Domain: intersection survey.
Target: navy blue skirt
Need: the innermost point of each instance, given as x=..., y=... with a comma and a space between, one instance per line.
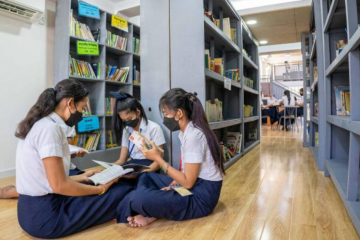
x=55, y=216
x=76, y=171
x=148, y=200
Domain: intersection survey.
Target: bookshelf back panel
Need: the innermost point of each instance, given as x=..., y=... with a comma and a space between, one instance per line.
x=340, y=142
x=117, y=88
x=334, y=37
x=337, y=80
x=136, y=93
x=232, y=61
x=96, y=96
x=250, y=129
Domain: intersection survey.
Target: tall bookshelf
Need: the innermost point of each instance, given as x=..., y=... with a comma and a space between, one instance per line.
x=317, y=85
x=99, y=88
x=180, y=57
x=305, y=49
x=340, y=19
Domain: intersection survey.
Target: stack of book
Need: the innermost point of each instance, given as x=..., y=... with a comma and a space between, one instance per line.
x=88, y=141
x=249, y=82
x=113, y=73
x=215, y=65
x=342, y=100
x=116, y=41
x=136, y=76
x=210, y=15
x=233, y=74
x=87, y=111
x=248, y=110
x=81, y=30
x=110, y=139
x=136, y=46
x=84, y=69
x=214, y=111
x=109, y=105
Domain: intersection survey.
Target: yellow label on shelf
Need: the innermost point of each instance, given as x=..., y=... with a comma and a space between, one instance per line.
x=119, y=23
x=87, y=48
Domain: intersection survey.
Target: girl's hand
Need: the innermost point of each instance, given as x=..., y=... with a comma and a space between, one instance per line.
x=85, y=176
x=153, y=154
x=80, y=153
x=172, y=184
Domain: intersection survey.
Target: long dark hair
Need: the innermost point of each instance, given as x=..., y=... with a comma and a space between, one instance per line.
x=287, y=93
x=48, y=101
x=125, y=102
x=178, y=98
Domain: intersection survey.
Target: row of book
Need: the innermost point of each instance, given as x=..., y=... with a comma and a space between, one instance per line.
x=248, y=111
x=136, y=46
x=233, y=74
x=232, y=145
x=136, y=76
x=88, y=141
x=215, y=65
x=214, y=111
x=109, y=105
x=210, y=15
x=116, y=41
x=81, y=30
x=110, y=139
x=249, y=82
x=87, y=111
x=113, y=73
x=227, y=29
x=84, y=69
x=342, y=100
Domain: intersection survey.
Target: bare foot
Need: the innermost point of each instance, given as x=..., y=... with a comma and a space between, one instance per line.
x=8, y=192
x=141, y=221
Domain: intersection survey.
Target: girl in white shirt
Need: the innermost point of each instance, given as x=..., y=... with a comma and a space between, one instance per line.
x=129, y=116
x=201, y=172
x=288, y=101
x=52, y=204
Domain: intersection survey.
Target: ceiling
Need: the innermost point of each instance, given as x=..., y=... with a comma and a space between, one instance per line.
x=279, y=27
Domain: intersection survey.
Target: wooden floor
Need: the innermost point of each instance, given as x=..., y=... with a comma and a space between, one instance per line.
x=274, y=192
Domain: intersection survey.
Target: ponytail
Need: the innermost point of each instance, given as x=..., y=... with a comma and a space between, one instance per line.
x=287, y=93
x=48, y=101
x=124, y=102
x=178, y=98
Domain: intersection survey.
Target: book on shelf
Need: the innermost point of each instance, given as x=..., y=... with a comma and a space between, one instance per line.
x=233, y=74
x=316, y=109
x=248, y=111
x=316, y=139
x=249, y=82
x=252, y=134
x=227, y=154
x=87, y=111
x=342, y=100
x=207, y=58
x=210, y=15
x=214, y=111
x=219, y=66
x=88, y=141
x=109, y=105
x=116, y=41
x=340, y=45
x=227, y=27
x=113, y=73
x=245, y=53
x=136, y=76
x=110, y=139
x=233, y=34
x=81, y=30
x=136, y=46
x=234, y=140
x=84, y=69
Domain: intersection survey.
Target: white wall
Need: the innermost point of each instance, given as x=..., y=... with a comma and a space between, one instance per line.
x=26, y=67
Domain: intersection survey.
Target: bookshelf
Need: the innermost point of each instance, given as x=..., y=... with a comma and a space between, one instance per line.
x=315, y=86
x=305, y=49
x=184, y=45
x=65, y=45
x=341, y=69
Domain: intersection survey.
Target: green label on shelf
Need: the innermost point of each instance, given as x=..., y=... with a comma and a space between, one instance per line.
x=87, y=48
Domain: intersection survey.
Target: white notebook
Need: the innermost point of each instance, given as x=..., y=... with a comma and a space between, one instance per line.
x=109, y=174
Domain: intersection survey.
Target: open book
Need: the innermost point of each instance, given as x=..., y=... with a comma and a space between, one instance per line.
x=141, y=141
x=136, y=167
x=109, y=174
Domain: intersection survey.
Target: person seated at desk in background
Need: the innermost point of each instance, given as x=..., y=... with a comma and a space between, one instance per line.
x=288, y=101
x=300, y=104
x=271, y=111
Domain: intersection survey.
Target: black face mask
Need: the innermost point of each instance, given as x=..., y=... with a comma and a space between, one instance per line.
x=74, y=118
x=171, y=124
x=132, y=123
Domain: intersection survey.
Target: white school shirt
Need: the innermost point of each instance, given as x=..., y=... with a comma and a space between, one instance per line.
x=194, y=149
x=45, y=139
x=285, y=101
x=70, y=133
x=151, y=131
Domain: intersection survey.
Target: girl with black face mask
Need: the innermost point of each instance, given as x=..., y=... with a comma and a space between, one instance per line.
x=201, y=170
x=129, y=116
x=51, y=203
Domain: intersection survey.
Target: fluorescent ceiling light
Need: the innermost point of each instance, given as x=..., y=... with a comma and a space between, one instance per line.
x=246, y=4
x=251, y=22
x=287, y=55
x=263, y=42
